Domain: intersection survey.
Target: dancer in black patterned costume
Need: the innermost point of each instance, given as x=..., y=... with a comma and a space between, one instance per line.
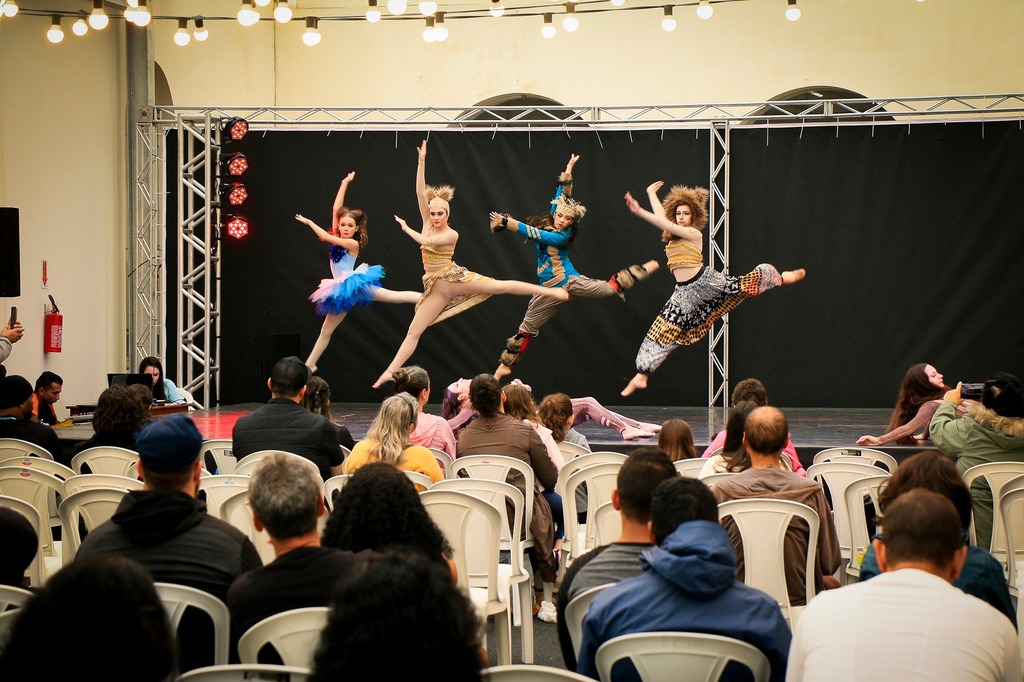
x=701, y=295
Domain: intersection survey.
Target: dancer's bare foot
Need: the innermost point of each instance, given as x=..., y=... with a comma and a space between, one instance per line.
x=651, y=266
x=793, y=276
x=502, y=371
x=637, y=383
x=654, y=428
x=632, y=433
x=384, y=378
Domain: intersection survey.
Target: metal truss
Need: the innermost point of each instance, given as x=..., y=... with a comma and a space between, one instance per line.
x=197, y=331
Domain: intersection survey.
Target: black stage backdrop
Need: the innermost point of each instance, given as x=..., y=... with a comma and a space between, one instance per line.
x=911, y=237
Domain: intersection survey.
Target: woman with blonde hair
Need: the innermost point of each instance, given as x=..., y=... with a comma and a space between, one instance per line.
x=387, y=440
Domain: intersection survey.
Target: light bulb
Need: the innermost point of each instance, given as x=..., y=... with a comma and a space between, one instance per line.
x=792, y=12
x=497, y=9
x=397, y=7
x=283, y=12
x=247, y=15
x=705, y=10
x=10, y=8
x=372, y=12
x=548, y=29
x=312, y=35
x=262, y=3
x=200, y=33
x=181, y=36
x=618, y=3
x=129, y=14
x=142, y=15
x=56, y=33
x=440, y=30
x=668, y=24
x=133, y=3
x=98, y=19
x=428, y=33
x=80, y=28
x=570, y=23
x=428, y=8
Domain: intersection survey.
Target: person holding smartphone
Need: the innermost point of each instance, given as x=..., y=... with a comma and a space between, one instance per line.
x=11, y=334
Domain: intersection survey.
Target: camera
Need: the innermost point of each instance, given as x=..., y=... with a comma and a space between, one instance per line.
x=971, y=391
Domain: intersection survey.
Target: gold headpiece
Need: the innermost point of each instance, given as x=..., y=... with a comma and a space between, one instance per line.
x=570, y=206
x=442, y=192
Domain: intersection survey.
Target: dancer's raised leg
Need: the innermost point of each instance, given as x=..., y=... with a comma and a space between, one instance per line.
x=389, y=296
x=428, y=311
x=589, y=408
x=331, y=323
x=507, y=286
x=793, y=276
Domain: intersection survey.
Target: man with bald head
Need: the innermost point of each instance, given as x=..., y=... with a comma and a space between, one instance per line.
x=765, y=432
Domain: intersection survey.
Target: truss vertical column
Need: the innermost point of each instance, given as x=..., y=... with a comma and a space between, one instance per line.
x=145, y=247
x=198, y=320
x=718, y=259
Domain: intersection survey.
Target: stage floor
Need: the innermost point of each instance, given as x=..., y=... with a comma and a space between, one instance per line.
x=812, y=429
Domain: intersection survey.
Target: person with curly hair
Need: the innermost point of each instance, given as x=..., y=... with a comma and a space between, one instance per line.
x=702, y=295
x=393, y=614
x=387, y=440
x=553, y=235
x=379, y=509
x=448, y=288
x=119, y=416
x=348, y=286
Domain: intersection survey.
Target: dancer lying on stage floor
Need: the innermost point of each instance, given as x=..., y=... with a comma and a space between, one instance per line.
x=448, y=289
x=553, y=235
x=457, y=410
x=701, y=295
x=349, y=286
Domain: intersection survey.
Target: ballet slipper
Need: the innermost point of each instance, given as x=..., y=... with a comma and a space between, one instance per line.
x=637, y=383
x=632, y=433
x=654, y=428
x=793, y=276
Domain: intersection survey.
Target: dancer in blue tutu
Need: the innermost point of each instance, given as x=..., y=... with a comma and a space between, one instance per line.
x=349, y=286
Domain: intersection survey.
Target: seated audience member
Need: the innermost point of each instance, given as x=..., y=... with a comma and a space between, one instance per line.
x=20, y=544
x=676, y=440
x=283, y=424
x=640, y=474
x=286, y=500
x=144, y=394
x=317, y=400
x=754, y=391
x=556, y=413
x=163, y=388
x=15, y=412
x=982, y=575
x=496, y=433
x=734, y=457
x=46, y=394
x=688, y=585
x=765, y=433
x=387, y=440
x=119, y=416
x=113, y=623
x=909, y=623
x=990, y=432
x=431, y=431
x=379, y=509
x=397, y=615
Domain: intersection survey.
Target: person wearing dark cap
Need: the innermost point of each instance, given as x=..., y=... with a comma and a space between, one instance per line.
x=15, y=410
x=20, y=543
x=284, y=424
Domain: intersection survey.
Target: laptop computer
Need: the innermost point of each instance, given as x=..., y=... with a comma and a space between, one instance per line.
x=128, y=379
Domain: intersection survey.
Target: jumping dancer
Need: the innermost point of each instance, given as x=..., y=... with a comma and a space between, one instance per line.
x=448, y=288
x=553, y=235
x=349, y=287
x=701, y=295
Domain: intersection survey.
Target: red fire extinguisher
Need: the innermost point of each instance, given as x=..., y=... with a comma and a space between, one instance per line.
x=53, y=329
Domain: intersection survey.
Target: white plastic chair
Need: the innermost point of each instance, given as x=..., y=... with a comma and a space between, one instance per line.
x=247, y=465
x=105, y=460
x=236, y=510
x=865, y=455
x=246, y=672
x=834, y=477
x=473, y=528
x=333, y=485
x=12, y=599
x=419, y=479
x=176, y=598
x=571, y=450
x=995, y=474
x=502, y=468
x=40, y=489
x=294, y=634
x=81, y=482
x=689, y=467
x=513, y=576
x=712, y=479
x=220, y=488
x=859, y=539
x=15, y=447
x=50, y=466
x=1011, y=505
x=600, y=480
x=673, y=656
x=525, y=672
x=576, y=611
x=218, y=453
x=35, y=570
x=763, y=525
x=444, y=460
x=92, y=507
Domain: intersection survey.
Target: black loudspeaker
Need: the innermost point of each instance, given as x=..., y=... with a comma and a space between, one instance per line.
x=10, y=254
x=269, y=349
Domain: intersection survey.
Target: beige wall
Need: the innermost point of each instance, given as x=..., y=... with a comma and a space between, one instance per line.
x=62, y=131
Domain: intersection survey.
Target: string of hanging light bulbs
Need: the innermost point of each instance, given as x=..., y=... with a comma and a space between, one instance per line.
x=137, y=12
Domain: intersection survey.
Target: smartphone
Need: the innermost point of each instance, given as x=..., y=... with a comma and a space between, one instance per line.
x=971, y=391
x=14, y=316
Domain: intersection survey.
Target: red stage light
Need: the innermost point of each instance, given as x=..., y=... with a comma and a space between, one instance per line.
x=237, y=227
x=236, y=128
x=237, y=194
x=236, y=164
